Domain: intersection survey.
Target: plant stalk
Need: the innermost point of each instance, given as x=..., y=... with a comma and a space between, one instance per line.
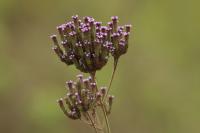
x=92, y=122
x=105, y=116
x=112, y=77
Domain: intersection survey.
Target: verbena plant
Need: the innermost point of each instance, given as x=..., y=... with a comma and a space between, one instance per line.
x=88, y=45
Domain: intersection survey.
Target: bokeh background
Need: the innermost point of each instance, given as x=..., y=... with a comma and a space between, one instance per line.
x=157, y=85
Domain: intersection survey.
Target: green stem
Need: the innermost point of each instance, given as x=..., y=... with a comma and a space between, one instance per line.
x=99, y=123
x=92, y=74
x=112, y=77
x=92, y=122
x=99, y=128
x=105, y=116
x=102, y=106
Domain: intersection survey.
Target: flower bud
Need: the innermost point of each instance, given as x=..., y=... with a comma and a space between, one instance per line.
x=97, y=48
x=108, y=30
x=68, y=101
x=104, y=51
x=128, y=28
x=60, y=103
x=87, y=45
x=98, y=24
x=92, y=29
x=103, y=29
x=115, y=40
x=122, y=47
x=110, y=100
x=67, y=29
x=70, y=86
x=79, y=50
x=126, y=37
x=88, y=61
x=96, y=62
x=77, y=95
x=83, y=93
x=93, y=87
x=75, y=20
x=98, y=96
x=103, y=91
x=55, y=41
x=78, y=63
x=73, y=38
x=59, y=53
x=115, y=21
x=66, y=46
x=90, y=79
x=60, y=31
x=79, y=87
x=86, y=83
x=86, y=33
x=80, y=77
x=110, y=24
x=86, y=19
x=74, y=114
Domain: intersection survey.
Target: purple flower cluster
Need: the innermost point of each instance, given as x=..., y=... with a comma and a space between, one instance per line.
x=87, y=44
x=83, y=96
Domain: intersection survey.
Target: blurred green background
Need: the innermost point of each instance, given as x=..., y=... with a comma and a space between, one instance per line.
x=156, y=85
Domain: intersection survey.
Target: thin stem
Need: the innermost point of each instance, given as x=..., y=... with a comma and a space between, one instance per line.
x=105, y=116
x=102, y=106
x=84, y=121
x=92, y=74
x=112, y=77
x=92, y=122
x=99, y=123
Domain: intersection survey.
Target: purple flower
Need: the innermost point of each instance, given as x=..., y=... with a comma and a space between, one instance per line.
x=85, y=44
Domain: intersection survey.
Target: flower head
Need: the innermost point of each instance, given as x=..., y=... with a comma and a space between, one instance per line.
x=83, y=96
x=87, y=44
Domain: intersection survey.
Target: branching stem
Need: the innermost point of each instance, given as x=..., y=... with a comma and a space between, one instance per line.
x=102, y=106
x=86, y=122
x=105, y=116
x=92, y=122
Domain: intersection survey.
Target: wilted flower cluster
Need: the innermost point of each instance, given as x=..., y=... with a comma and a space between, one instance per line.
x=87, y=44
x=82, y=97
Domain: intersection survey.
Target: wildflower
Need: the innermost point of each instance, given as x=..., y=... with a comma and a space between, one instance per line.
x=87, y=44
x=82, y=97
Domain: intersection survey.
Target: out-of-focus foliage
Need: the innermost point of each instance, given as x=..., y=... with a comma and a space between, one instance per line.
x=157, y=84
